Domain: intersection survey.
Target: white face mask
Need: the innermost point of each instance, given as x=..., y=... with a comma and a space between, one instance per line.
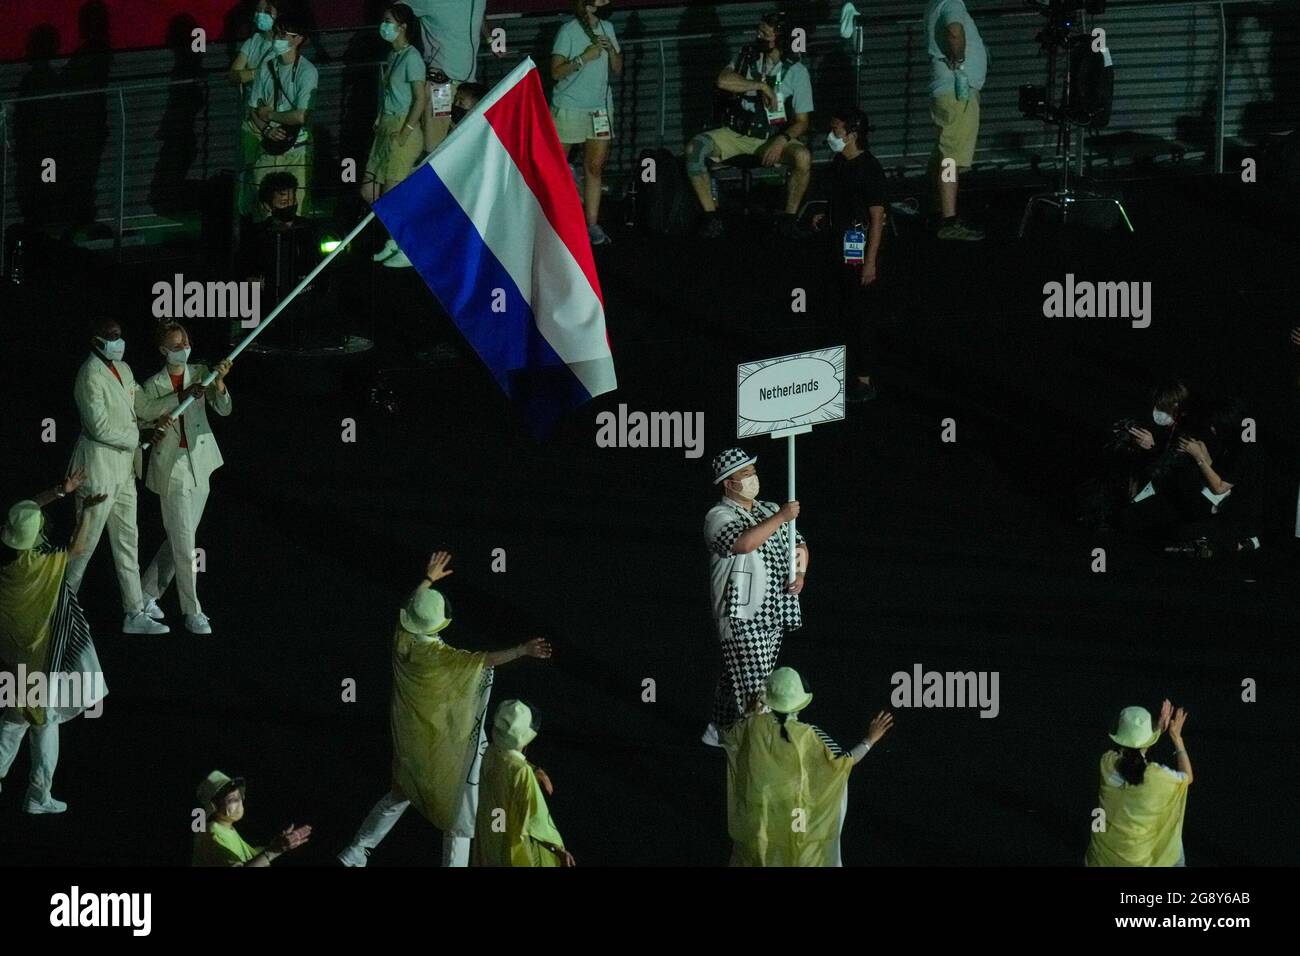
x=280, y=45
x=178, y=356
x=1163, y=419
x=749, y=487
x=835, y=143
x=263, y=21
x=113, y=349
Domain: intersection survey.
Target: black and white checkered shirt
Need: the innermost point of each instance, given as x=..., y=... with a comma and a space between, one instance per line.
x=779, y=610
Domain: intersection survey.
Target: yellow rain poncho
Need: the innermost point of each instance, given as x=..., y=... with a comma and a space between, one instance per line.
x=784, y=797
x=1144, y=824
x=514, y=838
x=440, y=697
x=29, y=597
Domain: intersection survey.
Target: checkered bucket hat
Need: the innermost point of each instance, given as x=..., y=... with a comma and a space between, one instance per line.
x=730, y=462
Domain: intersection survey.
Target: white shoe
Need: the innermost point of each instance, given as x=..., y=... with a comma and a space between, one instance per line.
x=198, y=623
x=153, y=610
x=397, y=260
x=142, y=623
x=389, y=248
x=354, y=856
x=48, y=805
x=710, y=736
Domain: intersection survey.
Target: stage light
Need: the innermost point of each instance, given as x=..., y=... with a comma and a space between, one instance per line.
x=328, y=244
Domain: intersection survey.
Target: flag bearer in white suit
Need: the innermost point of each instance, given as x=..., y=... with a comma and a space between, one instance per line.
x=108, y=449
x=183, y=456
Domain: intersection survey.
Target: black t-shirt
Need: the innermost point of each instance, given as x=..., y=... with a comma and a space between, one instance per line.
x=856, y=185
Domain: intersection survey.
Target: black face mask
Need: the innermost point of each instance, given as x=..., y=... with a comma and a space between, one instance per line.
x=457, y=114
x=285, y=213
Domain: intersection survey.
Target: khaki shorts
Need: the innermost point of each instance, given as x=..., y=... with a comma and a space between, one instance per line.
x=390, y=163
x=729, y=144
x=577, y=126
x=257, y=165
x=959, y=127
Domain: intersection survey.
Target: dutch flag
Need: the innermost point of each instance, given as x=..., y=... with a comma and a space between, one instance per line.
x=493, y=223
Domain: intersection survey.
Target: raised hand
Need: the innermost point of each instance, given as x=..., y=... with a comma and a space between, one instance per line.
x=880, y=725
x=437, y=569
x=536, y=647
x=1166, y=710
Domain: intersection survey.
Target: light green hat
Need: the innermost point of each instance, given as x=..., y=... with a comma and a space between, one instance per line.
x=213, y=784
x=22, y=529
x=1134, y=729
x=785, y=692
x=513, y=727
x=425, y=614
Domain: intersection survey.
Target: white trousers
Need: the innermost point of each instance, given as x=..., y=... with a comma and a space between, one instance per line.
x=117, y=513
x=182, y=510
x=383, y=817
x=44, y=746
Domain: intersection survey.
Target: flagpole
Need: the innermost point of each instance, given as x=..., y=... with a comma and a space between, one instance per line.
x=248, y=339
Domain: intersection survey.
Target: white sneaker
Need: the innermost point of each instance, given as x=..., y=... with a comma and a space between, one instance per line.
x=142, y=623
x=710, y=736
x=354, y=856
x=388, y=249
x=153, y=610
x=198, y=623
x=397, y=260
x=47, y=805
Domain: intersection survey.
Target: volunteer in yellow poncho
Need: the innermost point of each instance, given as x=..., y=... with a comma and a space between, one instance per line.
x=787, y=781
x=1142, y=803
x=440, y=698
x=49, y=671
x=514, y=823
x=218, y=843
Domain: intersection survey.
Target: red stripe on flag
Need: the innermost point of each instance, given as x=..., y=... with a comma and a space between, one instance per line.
x=522, y=121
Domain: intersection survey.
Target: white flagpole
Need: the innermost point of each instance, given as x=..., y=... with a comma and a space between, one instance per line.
x=789, y=465
x=212, y=375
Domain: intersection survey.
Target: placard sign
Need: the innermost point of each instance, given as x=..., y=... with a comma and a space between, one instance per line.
x=791, y=393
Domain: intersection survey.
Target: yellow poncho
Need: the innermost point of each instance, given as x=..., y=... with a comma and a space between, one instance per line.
x=221, y=845
x=513, y=819
x=29, y=596
x=783, y=796
x=440, y=697
x=1144, y=824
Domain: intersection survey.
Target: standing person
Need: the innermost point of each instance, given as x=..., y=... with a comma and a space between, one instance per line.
x=440, y=698
x=183, y=455
x=584, y=54
x=277, y=130
x=108, y=450
x=787, y=781
x=514, y=824
x=754, y=603
x=219, y=844
x=958, y=68
x=859, y=198
x=1142, y=802
x=451, y=31
x=43, y=630
x=398, y=142
x=253, y=53
x=770, y=84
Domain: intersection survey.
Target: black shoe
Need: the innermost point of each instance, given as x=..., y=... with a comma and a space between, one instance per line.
x=1200, y=548
x=787, y=227
x=858, y=391
x=712, y=227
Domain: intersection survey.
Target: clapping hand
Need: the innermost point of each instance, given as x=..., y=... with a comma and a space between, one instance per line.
x=1166, y=710
x=74, y=480
x=290, y=839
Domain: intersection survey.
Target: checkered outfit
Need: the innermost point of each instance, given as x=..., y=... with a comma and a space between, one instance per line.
x=750, y=647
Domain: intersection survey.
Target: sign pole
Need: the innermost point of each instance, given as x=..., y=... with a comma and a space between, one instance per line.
x=789, y=471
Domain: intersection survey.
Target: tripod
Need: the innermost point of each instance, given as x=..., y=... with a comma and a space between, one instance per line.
x=1065, y=198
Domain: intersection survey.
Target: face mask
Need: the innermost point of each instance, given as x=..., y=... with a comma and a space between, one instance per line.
x=388, y=31
x=113, y=350
x=749, y=487
x=285, y=213
x=280, y=46
x=263, y=21
x=834, y=142
x=1163, y=419
x=457, y=114
x=178, y=357
x=605, y=12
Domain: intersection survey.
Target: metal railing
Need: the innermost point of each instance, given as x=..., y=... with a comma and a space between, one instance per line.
x=657, y=45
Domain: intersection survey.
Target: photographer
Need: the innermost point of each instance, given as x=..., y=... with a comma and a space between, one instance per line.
x=769, y=84
x=275, y=129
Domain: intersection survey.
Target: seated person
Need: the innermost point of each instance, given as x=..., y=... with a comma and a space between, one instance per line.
x=279, y=252
x=467, y=97
x=218, y=843
x=1210, y=497
x=771, y=110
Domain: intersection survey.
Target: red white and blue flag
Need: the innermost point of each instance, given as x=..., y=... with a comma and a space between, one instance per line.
x=493, y=223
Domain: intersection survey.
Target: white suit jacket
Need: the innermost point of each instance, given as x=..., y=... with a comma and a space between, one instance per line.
x=109, y=444
x=189, y=467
